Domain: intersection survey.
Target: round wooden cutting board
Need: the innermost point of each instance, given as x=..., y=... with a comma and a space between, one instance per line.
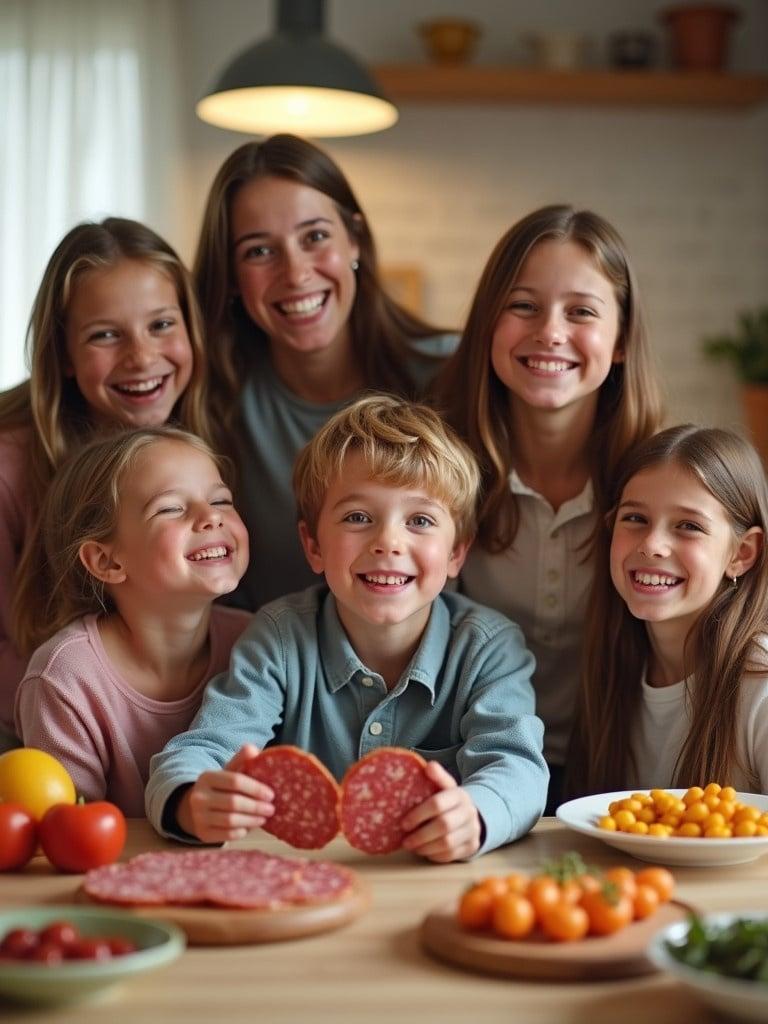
x=621, y=955
x=221, y=926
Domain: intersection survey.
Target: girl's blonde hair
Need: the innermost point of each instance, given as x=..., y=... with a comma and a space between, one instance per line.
x=719, y=648
x=82, y=504
x=381, y=329
x=402, y=444
x=49, y=403
x=476, y=402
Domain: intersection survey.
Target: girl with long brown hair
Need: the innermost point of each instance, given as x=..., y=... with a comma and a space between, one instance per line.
x=298, y=325
x=675, y=684
x=115, y=340
x=551, y=383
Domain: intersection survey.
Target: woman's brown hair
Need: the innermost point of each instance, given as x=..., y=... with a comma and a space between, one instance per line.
x=381, y=329
x=719, y=649
x=476, y=402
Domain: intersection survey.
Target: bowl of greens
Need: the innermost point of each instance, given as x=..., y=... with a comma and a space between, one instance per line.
x=722, y=958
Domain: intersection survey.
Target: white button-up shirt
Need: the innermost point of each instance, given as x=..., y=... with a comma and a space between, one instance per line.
x=542, y=583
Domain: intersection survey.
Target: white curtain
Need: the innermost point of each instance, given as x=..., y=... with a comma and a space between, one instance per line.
x=88, y=128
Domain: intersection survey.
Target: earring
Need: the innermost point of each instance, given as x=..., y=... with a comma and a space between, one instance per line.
x=354, y=264
x=735, y=581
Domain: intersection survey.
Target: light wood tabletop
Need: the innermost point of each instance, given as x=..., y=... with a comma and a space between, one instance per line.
x=373, y=971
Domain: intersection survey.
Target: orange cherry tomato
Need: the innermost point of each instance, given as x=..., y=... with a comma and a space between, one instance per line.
x=607, y=914
x=476, y=908
x=660, y=879
x=624, y=878
x=517, y=882
x=513, y=916
x=645, y=902
x=565, y=922
x=571, y=891
x=495, y=885
x=543, y=891
x=589, y=883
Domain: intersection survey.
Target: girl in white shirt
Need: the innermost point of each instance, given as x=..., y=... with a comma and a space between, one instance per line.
x=552, y=382
x=675, y=689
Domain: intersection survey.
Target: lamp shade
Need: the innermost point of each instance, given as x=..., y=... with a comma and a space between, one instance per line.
x=298, y=81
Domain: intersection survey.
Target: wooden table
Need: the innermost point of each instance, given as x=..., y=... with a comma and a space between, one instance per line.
x=373, y=971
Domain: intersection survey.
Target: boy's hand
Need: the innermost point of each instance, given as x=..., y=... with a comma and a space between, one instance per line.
x=226, y=804
x=446, y=826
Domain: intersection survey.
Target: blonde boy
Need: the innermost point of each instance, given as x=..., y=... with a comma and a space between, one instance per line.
x=378, y=656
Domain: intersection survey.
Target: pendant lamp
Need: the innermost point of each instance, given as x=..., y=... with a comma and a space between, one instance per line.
x=297, y=81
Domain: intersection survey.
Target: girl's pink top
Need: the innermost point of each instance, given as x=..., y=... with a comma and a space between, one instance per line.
x=14, y=517
x=73, y=704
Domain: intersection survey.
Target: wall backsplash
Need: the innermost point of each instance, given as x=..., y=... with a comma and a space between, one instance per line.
x=688, y=191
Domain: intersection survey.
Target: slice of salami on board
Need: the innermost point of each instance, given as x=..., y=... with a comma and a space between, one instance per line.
x=306, y=796
x=376, y=792
x=220, y=878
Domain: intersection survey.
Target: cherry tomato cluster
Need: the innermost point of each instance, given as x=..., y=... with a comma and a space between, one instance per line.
x=565, y=901
x=60, y=941
x=74, y=837
x=711, y=812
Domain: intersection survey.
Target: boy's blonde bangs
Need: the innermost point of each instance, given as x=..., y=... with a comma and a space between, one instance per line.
x=402, y=444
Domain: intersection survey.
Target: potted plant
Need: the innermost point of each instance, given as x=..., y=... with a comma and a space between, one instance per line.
x=747, y=349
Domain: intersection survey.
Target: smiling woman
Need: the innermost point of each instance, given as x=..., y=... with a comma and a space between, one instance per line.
x=298, y=324
x=114, y=341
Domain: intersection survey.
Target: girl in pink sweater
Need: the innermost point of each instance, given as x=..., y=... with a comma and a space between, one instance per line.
x=140, y=536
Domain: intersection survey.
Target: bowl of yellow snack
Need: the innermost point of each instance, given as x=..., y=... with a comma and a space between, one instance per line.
x=696, y=827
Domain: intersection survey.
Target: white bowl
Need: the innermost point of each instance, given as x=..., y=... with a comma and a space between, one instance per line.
x=743, y=1000
x=583, y=814
x=75, y=980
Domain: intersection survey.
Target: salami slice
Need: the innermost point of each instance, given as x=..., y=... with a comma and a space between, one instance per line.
x=306, y=796
x=244, y=879
x=376, y=792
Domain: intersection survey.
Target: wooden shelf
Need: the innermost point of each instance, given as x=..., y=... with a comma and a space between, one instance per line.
x=467, y=83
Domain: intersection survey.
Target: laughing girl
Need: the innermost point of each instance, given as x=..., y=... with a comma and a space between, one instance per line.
x=675, y=690
x=141, y=537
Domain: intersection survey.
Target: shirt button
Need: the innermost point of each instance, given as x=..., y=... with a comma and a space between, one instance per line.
x=553, y=575
x=376, y=729
x=366, y=681
x=550, y=600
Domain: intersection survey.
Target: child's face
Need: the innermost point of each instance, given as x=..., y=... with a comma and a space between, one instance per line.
x=555, y=342
x=177, y=531
x=127, y=343
x=386, y=551
x=292, y=258
x=672, y=545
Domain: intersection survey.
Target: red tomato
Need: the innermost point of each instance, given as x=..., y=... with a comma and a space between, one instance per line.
x=120, y=946
x=19, y=943
x=60, y=933
x=18, y=836
x=78, y=837
x=89, y=949
x=47, y=953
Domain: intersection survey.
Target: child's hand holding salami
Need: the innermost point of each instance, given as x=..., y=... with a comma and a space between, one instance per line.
x=446, y=826
x=226, y=804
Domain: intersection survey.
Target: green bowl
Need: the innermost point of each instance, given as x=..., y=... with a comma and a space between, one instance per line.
x=75, y=980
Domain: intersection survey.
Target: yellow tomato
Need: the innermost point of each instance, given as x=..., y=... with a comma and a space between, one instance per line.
x=35, y=780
